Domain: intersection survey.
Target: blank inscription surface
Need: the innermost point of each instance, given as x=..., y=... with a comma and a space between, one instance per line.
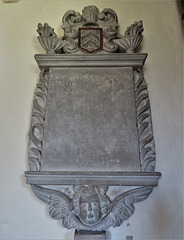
x=90, y=121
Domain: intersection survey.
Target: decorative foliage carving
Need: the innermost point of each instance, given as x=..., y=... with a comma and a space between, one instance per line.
x=107, y=20
x=90, y=207
x=110, y=46
x=70, y=46
x=48, y=39
x=38, y=122
x=71, y=22
x=144, y=123
x=131, y=39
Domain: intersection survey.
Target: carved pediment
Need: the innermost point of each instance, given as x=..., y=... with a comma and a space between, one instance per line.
x=90, y=32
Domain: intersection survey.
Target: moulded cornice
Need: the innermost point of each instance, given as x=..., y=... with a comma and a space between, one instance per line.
x=105, y=60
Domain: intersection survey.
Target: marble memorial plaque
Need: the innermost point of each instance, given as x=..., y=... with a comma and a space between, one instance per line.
x=90, y=121
x=91, y=145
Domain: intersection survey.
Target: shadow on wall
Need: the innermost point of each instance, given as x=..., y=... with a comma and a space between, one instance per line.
x=162, y=217
x=180, y=7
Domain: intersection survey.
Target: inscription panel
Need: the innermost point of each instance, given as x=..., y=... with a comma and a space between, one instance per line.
x=90, y=121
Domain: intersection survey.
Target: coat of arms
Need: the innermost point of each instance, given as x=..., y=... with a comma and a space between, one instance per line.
x=90, y=39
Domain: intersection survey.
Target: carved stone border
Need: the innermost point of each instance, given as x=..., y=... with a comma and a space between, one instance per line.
x=144, y=123
x=38, y=122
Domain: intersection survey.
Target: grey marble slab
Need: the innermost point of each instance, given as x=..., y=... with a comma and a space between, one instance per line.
x=90, y=121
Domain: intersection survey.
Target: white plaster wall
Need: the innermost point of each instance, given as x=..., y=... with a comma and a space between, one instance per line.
x=22, y=215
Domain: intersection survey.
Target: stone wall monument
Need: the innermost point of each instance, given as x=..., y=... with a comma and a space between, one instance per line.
x=91, y=144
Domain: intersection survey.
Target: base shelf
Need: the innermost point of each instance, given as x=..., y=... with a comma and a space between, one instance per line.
x=93, y=178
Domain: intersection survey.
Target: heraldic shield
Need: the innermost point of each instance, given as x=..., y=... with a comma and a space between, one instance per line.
x=90, y=39
x=91, y=144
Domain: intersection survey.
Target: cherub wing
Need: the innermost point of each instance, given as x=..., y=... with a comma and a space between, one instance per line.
x=59, y=203
x=122, y=207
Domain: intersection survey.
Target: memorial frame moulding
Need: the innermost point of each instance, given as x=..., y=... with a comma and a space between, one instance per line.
x=91, y=42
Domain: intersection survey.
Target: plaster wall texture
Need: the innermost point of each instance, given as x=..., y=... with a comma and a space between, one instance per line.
x=23, y=216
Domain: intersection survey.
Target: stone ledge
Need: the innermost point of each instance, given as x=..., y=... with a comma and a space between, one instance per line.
x=93, y=178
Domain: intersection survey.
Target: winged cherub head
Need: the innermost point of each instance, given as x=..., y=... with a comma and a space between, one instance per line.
x=90, y=208
x=89, y=205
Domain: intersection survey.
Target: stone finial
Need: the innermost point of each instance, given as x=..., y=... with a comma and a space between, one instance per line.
x=131, y=39
x=48, y=39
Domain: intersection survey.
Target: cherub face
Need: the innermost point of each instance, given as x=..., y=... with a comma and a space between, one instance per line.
x=90, y=209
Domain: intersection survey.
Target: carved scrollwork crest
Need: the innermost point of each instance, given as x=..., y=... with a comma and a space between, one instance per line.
x=107, y=20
